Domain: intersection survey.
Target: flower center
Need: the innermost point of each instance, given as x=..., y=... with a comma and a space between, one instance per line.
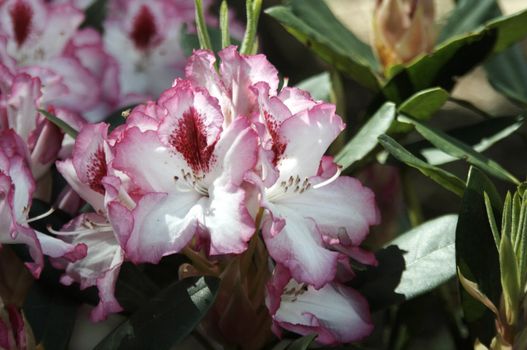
x=21, y=15
x=190, y=140
x=97, y=170
x=193, y=181
x=144, y=28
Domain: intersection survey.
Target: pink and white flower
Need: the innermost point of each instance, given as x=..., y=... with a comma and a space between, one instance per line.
x=189, y=180
x=19, y=102
x=42, y=39
x=336, y=313
x=300, y=233
x=16, y=191
x=85, y=172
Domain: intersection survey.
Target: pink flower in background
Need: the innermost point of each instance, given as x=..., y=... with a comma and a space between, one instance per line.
x=189, y=178
x=15, y=332
x=19, y=102
x=43, y=40
x=336, y=313
x=16, y=191
x=145, y=38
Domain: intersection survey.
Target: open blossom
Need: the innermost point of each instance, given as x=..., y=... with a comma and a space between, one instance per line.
x=336, y=313
x=42, y=39
x=85, y=172
x=19, y=102
x=189, y=182
x=403, y=30
x=16, y=191
x=145, y=38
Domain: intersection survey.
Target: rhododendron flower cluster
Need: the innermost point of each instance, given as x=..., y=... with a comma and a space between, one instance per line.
x=219, y=154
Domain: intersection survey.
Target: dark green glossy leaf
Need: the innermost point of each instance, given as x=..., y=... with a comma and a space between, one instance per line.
x=319, y=86
x=455, y=57
x=424, y=103
x=167, y=318
x=60, y=123
x=51, y=316
x=467, y=16
x=302, y=343
x=95, y=15
x=414, y=263
x=313, y=24
x=460, y=150
x=480, y=136
x=442, y=177
x=476, y=254
x=421, y=105
x=507, y=72
x=366, y=139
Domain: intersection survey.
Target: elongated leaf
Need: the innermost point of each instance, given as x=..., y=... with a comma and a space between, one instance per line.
x=510, y=279
x=507, y=72
x=167, y=318
x=442, y=177
x=51, y=316
x=455, y=57
x=480, y=136
x=424, y=103
x=476, y=254
x=319, y=86
x=422, y=106
x=467, y=16
x=459, y=150
x=313, y=24
x=60, y=123
x=366, y=139
x=415, y=262
x=302, y=343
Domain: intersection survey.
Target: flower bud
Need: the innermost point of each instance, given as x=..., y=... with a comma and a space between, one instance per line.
x=15, y=333
x=402, y=30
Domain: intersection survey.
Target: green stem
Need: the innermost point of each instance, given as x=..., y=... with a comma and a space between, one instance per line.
x=414, y=207
x=203, y=33
x=224, y=24
x=253, y=8
x=199, y=262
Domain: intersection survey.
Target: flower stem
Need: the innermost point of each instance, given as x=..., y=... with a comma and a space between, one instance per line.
x=253, y=8
x=224, y=24
x=203, y=33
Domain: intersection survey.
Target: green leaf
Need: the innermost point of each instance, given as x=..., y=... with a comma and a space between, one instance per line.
x=313, y=24
x=95, y=14
x=459, y=150
x=455, y=57
x=421, y=105
x=492, y=220
x=476, y=254
x=414, y=263
x=302, y=343
x=480, y=136
x=51, y=316
x=167, y=318
x=442, y=177
x=507, y=73
x=60, y=123
x=319, y=86
x=467, y=16
x=366, y=139
x=424, y=103
x=510, y=280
